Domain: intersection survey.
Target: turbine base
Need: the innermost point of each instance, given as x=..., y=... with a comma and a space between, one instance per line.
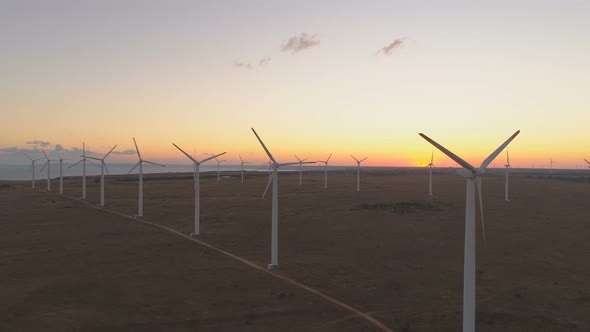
x=272, y=266
x=195, y=235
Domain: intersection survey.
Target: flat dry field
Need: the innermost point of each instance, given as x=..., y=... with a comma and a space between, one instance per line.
x=389, y=251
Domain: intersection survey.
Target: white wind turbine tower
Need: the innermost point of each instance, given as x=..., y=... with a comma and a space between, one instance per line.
x=473, y=176
x=218, y=167
x=430, y=166
x=300, y=167
x=243, y=162
x=358, y=172
x=197, y=186
x=103, y=167
x=48, y=165
x=33, y=166
x=274, y=255
x=326, y=170
x=140, y=164
x=507, y=168
x=83, y=161
x=61, y=174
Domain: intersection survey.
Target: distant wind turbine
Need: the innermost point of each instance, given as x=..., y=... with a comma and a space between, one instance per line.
x=430, y=166
x=219, y=167
x=103, y=167
x=48, y=165
x=140, y=164
x=507, y=171
x=197, y=185
x=301, y=166
x=83, y=161
x=61, y=174
x=274, y=256
x=243, y=162
x=473, y=176
x=358, y=172
x=326, y=170
x=33, y=167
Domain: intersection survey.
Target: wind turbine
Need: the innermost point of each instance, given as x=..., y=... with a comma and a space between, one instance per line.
x=507, y=168
x=243, y=162
x=103, y=167
x=358, y=172
x=274, y=255
x=83, y=161
x=48, y=165
x=197, y=185
x=61, y=174
x=473, y=176
x=326, y=170
x=588, y=162
x=551, y=162
x=300, y=166
x=218, y=163
x=430, y=166
x=140, y=164
x=33, y=166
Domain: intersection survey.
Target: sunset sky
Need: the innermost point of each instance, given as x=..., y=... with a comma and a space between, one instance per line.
x=312, y=77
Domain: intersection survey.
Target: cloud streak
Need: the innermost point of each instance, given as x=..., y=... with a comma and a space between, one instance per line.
x=387, y=50
x=301, y=42
x=246, y=65
x=41, y=143
x=124, y=152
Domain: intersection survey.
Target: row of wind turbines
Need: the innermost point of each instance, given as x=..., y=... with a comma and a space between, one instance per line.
x=472, y=174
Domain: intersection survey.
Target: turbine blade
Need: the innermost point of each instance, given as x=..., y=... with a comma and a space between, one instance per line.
x=494, y=154
x=267, y=186
x=153, y=163
x=297, y=158
x=106, y=168
x=93, y=158
x=507, y=158
x=264, y=146
x=134, y=167
x=106, y=155
x=451, y=155
x=483, y=226
x=363, y=159
x=241, y=158
x=76, y=163
x=44, y=165
x=213, y=157
x=354, y=158
x=587, y=161
x=136, y=148
x=45, y=154
x=92, y=163
x=289, y=164
x=186, y=154
x=330, y=156
x=28, y=157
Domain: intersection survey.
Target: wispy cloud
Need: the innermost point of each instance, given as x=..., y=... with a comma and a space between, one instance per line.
x=387, y=50
x=264, y=61
x=247, y=65
x=41, y=143
x=124, y=152
x=301, y=42
x=242, y=65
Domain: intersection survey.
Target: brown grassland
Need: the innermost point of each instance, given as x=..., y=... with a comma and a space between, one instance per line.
x=389, y=251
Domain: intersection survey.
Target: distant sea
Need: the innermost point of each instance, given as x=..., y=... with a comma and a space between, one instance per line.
x=23, y=172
